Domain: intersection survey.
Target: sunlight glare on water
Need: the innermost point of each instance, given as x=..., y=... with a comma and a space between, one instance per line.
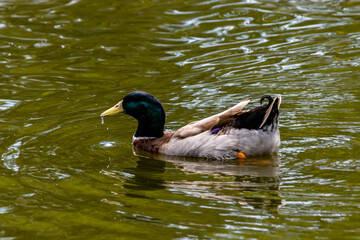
x=65, y=173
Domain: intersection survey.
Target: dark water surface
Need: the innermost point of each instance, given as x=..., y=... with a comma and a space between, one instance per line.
x=63, y=174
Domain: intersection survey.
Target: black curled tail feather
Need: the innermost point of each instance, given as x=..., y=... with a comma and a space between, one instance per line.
x=268, y=97
x=271, y=117
x=261, y=117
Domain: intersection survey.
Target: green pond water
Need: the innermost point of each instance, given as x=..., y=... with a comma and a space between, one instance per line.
x=65, y=175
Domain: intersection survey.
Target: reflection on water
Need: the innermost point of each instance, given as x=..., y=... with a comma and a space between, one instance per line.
x=267, y=166
x=253, y=175
x=65, y=174
x=148, y=175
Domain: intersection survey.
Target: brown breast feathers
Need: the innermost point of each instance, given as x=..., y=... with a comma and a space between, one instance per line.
x=152, y=144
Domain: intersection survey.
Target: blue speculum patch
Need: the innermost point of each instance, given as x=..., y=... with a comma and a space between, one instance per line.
x=215, y=130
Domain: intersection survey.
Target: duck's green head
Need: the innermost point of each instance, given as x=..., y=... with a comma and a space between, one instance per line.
x=146, y=109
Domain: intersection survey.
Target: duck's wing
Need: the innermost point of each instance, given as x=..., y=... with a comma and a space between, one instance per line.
x=209, y=123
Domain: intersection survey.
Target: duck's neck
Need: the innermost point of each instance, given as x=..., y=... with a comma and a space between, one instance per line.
x=149, y=129
x=151, y=123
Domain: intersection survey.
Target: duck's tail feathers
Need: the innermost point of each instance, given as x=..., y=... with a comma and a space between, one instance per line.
x=272, y=113
x=261, y=117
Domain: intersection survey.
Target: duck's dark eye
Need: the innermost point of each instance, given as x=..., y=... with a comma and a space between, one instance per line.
x=116, y=105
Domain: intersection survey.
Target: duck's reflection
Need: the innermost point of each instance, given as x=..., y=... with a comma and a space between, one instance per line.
x=148, y=174
x=252, y=182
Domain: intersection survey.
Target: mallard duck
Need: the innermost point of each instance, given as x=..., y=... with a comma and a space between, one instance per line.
x=230, y=134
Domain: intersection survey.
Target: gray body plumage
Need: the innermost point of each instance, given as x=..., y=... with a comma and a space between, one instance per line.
x=227, y=145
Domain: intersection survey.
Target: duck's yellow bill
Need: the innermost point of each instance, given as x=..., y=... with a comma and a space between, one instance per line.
x=114, y=110
x=241, y=155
